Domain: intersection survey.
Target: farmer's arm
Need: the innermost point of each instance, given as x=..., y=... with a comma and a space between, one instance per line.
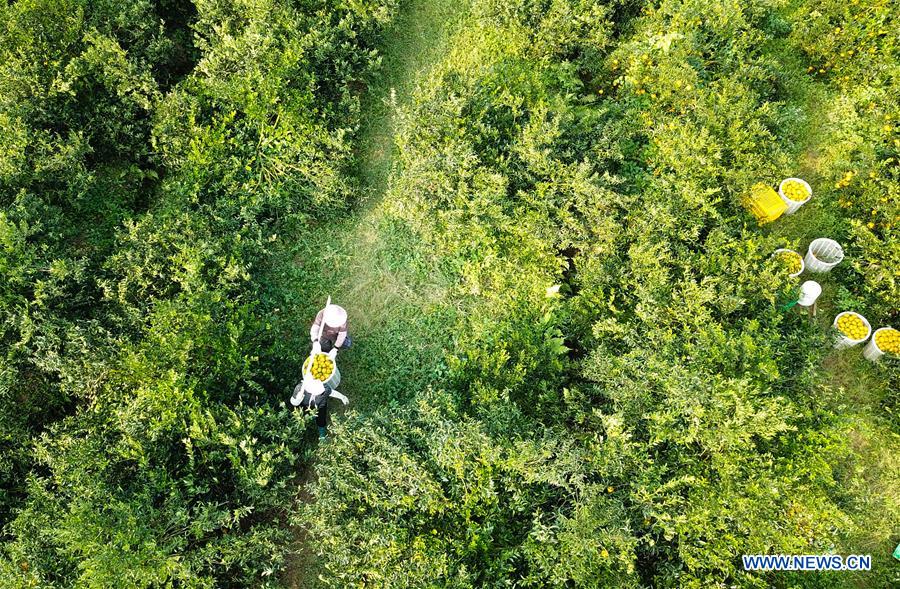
x=340, y=397
x=314, y=330
x=341, y=336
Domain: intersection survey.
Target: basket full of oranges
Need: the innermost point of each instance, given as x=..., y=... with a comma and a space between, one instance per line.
x=885, y=340
x=320, y=366
x=795, y=193
x=790, y=260
x=852, y=329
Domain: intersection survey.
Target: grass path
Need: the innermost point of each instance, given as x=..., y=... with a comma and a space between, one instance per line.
x=371, y=264
x=415, y=42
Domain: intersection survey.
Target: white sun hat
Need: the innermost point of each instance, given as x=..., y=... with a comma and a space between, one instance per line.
x=335, y=316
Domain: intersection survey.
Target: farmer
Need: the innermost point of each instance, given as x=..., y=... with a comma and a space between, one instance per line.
x=314, y=394
x=329, y=330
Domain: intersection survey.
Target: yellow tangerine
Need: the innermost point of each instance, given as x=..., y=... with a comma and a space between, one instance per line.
x=791, y=260
x=795, y=191
x=888, y=341
x=852, y=326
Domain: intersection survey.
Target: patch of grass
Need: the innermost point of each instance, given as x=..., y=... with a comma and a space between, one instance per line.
x=412, y=45
x=372, y=263
x=397, y=301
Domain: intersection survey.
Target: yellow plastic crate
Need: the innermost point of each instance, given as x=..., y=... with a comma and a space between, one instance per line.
x=764, y=203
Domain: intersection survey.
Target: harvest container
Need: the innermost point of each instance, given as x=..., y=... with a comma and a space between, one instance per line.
x=809, y=293
x=802, y=263
x=793, y=205
x=823, y=255
x=843, y=341
x=764, y=203
x=872, y=351
x=334, y=379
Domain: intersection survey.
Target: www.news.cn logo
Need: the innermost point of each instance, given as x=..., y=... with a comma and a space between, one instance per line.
x=807, y=562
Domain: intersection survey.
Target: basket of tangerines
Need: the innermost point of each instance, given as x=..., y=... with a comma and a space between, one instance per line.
x=884, y=341
x=852, y=329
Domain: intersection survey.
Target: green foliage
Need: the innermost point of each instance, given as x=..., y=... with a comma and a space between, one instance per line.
x=426, y=497
x=151, y=153
x=861, y=159
x=617, y=395
x=177, y=493
x=73, y=106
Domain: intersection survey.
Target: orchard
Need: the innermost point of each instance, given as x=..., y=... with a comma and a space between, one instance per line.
x=571, y=238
